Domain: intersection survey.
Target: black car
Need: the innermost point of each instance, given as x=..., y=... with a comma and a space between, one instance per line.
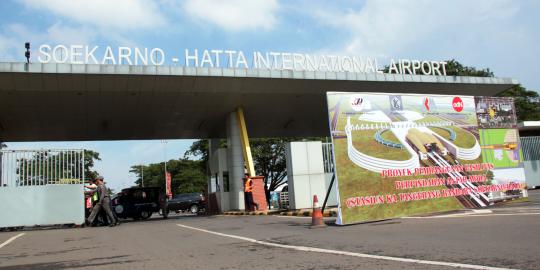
x=192, y=202
x=138, y=202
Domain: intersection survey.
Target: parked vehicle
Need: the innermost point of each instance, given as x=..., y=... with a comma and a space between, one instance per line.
x=138, y=202
x=192, y=202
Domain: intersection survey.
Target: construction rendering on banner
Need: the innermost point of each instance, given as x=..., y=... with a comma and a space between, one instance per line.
x=399, y=155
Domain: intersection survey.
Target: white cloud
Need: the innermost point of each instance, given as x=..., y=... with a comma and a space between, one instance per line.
x=383, y=28
x=118, y=14
x=235, y=15
x=13, y=36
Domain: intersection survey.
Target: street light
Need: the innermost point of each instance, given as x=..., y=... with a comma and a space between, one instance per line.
x=142, y=175
x=164, y=142
x=27, y=53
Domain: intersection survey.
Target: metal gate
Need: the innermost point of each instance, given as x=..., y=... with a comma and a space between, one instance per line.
x=531, y=160
x=41, y=187
x=41, y=167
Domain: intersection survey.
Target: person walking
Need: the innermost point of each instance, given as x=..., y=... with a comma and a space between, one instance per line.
x=248, y=195
x=103, y=203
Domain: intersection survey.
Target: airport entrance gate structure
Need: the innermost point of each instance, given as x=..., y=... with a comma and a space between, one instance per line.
x=193, y=102
x=41, y=187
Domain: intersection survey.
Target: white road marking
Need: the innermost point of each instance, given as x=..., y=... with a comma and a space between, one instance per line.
x=346, y=253
x=482, y=211
x=11, y=240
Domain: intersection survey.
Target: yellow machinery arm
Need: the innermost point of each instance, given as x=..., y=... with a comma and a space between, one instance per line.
x=245, y=141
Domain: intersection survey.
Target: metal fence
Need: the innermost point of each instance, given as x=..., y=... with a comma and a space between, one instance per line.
x=41, y=167
x=530, y=147
x=328, y=158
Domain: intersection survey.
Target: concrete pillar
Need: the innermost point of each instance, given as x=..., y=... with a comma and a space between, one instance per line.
x=1, y=165
x=213, y=146
x=235, y=163
x=1, y=184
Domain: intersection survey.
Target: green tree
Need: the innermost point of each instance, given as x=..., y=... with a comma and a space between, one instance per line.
x=268, y=158
x=455, y=68
x=186, y=175
x=526, y=102
x=89, y=158
x=198, y=149
x=269, y=161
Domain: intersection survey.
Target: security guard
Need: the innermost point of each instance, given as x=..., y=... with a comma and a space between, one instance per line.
x=103, y=203
x=248, y=194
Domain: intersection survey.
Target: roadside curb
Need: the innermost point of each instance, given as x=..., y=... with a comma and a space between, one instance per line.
x=243, y=213
x=308, y=212
x=297, y=213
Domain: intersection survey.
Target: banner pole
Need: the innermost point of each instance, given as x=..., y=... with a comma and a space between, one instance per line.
x=328, y=192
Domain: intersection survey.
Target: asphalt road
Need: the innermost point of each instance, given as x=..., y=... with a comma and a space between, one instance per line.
x=506, y=237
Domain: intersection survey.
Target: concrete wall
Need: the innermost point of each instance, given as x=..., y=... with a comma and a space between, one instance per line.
x=223, y=201
x=41, y=205
x=532, y=173
x=305, y=173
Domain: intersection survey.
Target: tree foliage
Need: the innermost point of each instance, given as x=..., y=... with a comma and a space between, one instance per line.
x=89, y=158
x=268, y=158
x=187, y=175
x=198, y=149
x=455, y=68
x=526, y=102
x=269, y=161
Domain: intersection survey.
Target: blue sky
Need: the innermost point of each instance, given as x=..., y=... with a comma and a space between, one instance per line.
x=499, y=34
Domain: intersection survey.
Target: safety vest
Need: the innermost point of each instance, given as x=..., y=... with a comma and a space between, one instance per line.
x=249, y=185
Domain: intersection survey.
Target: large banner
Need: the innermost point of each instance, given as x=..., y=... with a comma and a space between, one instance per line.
x=402, y=154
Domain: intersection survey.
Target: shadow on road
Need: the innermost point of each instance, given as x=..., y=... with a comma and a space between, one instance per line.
x=94, y=262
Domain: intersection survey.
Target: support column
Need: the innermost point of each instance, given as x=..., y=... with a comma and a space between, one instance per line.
x=213, y=145
x=235, y=163
x=1, y=157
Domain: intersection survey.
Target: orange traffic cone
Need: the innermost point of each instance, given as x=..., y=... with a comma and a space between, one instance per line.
x=317, y=215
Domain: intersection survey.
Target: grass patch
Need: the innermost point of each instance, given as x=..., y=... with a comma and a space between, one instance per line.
x=464, y=139
x=363, y=141
x=356, y=181
x=442, y=132
x=389, y=136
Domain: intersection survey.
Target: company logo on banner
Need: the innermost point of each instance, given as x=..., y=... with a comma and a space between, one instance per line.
x=457, y=104
x=403, y=154
x=168, y=184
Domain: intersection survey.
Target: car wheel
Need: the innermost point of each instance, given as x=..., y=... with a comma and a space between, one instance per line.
x=146, y=214
x=194, y=209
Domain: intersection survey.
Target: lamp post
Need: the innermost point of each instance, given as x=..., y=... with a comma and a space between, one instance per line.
x=142, y=176
x=164, y=142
